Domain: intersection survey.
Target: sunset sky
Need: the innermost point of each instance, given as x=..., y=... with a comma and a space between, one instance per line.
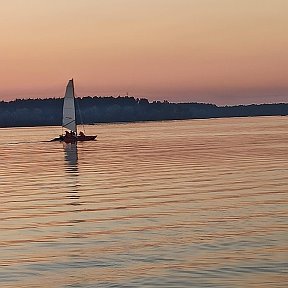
x=217, y=51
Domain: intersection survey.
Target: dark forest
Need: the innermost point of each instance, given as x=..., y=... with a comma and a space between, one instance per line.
x=44, y=112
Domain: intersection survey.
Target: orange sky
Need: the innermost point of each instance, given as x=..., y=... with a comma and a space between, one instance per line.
x=219, y=51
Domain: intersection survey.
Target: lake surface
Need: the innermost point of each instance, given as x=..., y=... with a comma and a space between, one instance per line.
x=197, y=203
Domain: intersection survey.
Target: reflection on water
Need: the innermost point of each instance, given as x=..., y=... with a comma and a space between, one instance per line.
x=198, y=203
x=71, y=157
x=71, y=161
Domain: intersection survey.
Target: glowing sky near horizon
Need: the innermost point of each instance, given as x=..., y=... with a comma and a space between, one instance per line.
x=217, y=51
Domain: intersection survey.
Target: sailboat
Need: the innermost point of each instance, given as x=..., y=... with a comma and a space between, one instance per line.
x=69, y=119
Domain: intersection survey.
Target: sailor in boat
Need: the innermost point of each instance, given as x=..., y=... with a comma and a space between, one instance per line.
x=81, y=136
x=70, y=136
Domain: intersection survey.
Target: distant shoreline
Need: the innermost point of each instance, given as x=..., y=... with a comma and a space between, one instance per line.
x=93, y=110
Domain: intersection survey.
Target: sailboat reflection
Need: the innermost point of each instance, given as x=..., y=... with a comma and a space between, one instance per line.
x=71, y=161
x=71, y=157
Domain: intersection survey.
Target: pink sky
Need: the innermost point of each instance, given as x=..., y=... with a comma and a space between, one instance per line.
x=217, y=51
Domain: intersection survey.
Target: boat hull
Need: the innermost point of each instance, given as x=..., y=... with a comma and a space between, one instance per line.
x=58, y=139
x=86, y=138
x=80, y=138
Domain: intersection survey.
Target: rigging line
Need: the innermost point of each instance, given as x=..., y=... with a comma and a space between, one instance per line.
x=80, y=114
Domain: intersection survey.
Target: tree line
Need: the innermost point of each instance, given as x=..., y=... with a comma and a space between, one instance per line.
x=89, y=110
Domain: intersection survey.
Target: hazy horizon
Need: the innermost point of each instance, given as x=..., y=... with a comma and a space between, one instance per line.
x=161, y=99
x=221, y=52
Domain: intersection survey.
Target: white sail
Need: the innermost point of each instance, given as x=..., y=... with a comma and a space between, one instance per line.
x=69, y=119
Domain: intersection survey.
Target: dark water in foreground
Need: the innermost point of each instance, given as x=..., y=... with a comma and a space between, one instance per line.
x=162, y=204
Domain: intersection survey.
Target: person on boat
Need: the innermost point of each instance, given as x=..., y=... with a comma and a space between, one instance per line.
x=69, y=136
x=81, y=136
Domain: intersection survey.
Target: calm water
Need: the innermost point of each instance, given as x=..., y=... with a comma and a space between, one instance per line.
x=198, y=203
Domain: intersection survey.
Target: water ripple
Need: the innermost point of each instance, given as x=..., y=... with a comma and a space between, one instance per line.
x=198, y=203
